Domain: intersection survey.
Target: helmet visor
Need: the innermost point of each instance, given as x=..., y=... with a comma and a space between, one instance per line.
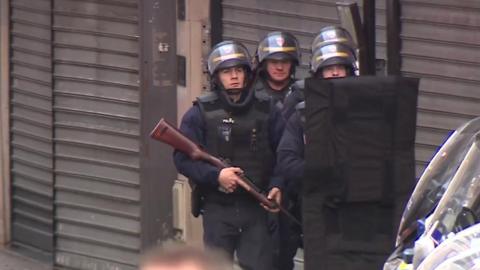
x=279, y=46
x=228, y=54
x=334, y=54
x=332, y=35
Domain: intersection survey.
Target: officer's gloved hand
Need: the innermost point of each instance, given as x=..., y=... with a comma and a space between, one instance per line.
x=275, y=195
x=229, y=179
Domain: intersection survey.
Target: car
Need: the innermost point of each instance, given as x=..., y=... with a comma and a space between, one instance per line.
x=445, y=200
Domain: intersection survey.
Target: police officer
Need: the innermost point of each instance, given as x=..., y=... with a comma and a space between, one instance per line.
x=329, y=62
x=233, y=124
x=277, y=56
x=328, y=35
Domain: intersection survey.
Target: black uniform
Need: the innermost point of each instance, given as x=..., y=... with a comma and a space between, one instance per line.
x=285, y=232
x=246, y=138
x=290, y=158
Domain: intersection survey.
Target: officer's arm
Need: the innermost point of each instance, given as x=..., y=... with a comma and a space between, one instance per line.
x=290, y=151
x=294, y=96
x=200, y=172
x=276, y=127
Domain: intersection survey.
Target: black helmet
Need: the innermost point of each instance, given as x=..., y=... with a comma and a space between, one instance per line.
x=228, y=54
x=331, y=35
x=280, y=46
x=332, y=54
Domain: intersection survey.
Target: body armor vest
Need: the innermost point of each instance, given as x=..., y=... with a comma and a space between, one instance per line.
x=263, y=91
x=241, y=139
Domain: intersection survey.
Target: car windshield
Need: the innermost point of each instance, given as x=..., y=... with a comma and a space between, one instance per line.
x=458, y=207
x=438, y=175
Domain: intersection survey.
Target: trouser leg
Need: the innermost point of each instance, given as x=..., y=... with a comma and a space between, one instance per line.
x=255, y=249
x=290, y=235
x=219, y=228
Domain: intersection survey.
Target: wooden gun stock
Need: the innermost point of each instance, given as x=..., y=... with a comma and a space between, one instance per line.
x=170, y=135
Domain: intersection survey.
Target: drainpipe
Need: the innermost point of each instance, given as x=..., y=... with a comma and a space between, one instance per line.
x=4, y=125
x=393, y=37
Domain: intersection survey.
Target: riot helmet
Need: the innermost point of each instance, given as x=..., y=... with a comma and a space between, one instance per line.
x=332, y=35
x=228, y=54
x=278, y=46
x=333, y=54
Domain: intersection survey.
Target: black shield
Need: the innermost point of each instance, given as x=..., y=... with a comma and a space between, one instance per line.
x=360, y=168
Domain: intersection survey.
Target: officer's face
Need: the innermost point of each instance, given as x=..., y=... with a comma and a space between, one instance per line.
x=334, y=71
x=232, y=78
x=279, y=70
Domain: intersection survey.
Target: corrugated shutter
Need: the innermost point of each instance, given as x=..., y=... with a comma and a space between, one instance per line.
x=96, y=112
x=440, y=44
x=31, y=127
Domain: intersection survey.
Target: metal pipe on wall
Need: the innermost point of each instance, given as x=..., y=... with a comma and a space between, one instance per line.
x=369, y=15
x=158, y=99
x=216, y=16
x=4, y=125
x=393, y=37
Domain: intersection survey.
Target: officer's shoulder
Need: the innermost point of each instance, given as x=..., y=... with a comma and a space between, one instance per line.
x=295, y=88
x=299, y=85
x=300, y=105
x=207, y=97
x=192, y=115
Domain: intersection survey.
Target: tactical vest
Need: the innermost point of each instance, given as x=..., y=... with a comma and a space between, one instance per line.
x=240, y=139
x=263, y=91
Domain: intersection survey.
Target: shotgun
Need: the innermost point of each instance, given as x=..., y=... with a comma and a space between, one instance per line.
x=170, y=135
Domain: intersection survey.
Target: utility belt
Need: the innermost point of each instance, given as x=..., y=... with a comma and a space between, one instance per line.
x=214, y=196
x=201, y=196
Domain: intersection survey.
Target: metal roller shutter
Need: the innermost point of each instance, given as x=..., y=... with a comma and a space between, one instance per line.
x=440, y=44
x=96, y=112
x=31, y=127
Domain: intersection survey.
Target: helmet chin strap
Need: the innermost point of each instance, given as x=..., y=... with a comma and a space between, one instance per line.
x=234, y=91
